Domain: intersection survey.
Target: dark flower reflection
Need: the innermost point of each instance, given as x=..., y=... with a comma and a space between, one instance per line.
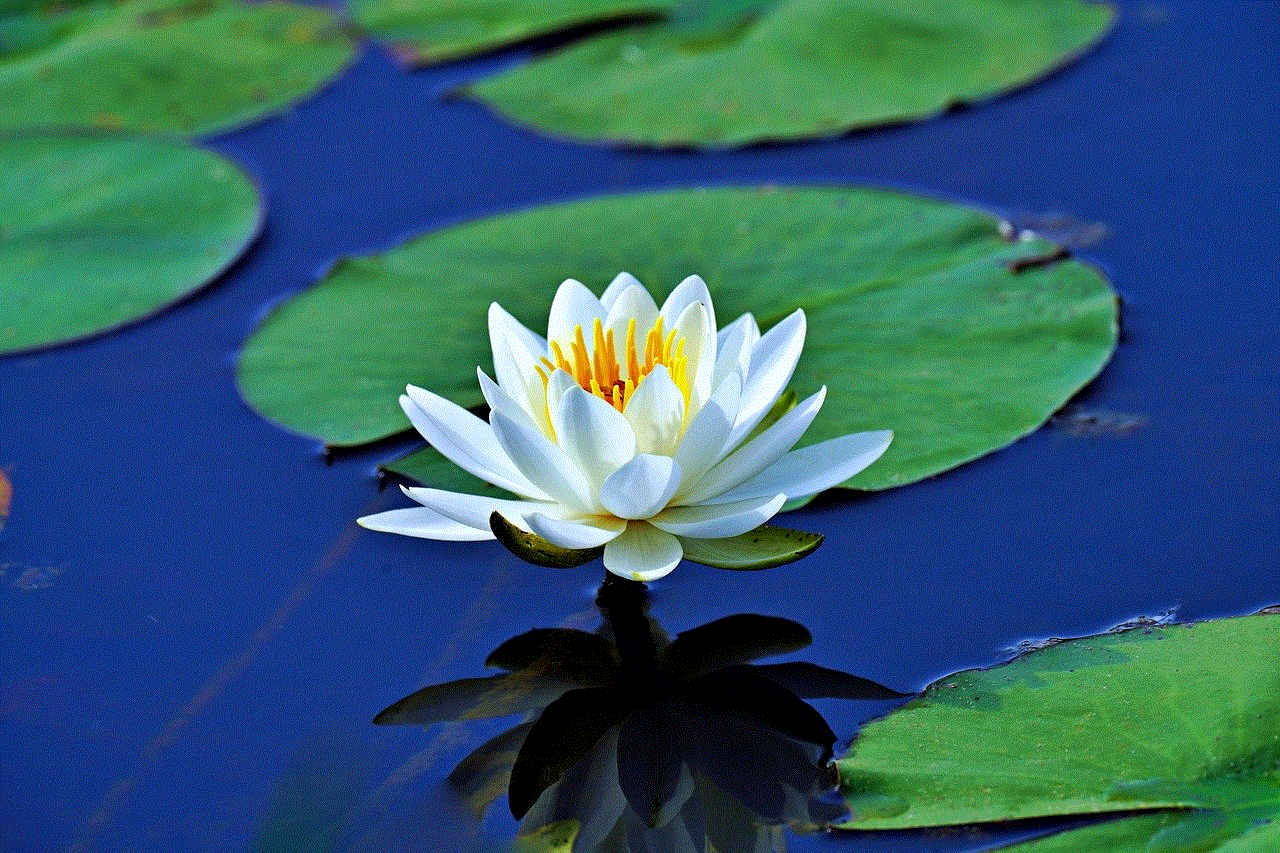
x=643, y=743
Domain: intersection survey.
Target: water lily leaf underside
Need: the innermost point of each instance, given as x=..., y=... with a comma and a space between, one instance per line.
x=97, y=230
x=919, y=321
x=737, y=71
x=171, y=66
x=1183, y=717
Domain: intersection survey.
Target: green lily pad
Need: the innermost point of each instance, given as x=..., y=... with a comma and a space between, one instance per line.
x=553, y=838
x=918, y=321
x=762, y=548
x=421, y=33
x=1183, y=717
x=98, y=230
x=736, y=71
x=175, y=66
x=534, y=549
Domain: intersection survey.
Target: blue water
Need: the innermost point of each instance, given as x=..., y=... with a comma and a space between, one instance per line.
x=195, y=634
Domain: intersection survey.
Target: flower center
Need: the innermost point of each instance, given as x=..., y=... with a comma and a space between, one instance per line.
x=614, y=379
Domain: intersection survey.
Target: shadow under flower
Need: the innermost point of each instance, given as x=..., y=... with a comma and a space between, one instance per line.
x=636, y=742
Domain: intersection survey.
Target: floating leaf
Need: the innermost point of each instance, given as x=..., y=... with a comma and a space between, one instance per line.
x=916, y=321
x=180, y=66
x=762, y=548
x=534, y=549
x=553, y=838
x=422, y=33
x=1175, y=717
x=100, y=230
x=736, y=71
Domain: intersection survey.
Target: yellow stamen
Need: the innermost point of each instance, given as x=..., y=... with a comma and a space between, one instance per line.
x=599, y=371
x=581, y=361
x=633, y=365
x=561, y=362
x=611, y=359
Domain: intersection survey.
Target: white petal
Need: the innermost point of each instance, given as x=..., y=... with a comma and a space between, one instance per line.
x=557, y=384
x=697, y=327
x=589, y=532
x=544, y=463
x=620, y=282
x=517, y=353
x=656, y=413
x=595, y=435
x=423, y=523
x=733, y=348
x=474, y=510
x=633, y=302
x=516, y=347
x=500, y=401
x=466, y=441
x=773, y=360
x=720, y=521
x=692, y=290
x=642, y=552
x=642, y=487
x=758, y=453
x=703, y=443
x=812, y=469
x=572, y=306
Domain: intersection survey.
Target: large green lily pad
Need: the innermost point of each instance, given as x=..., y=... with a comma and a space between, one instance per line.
x=1182, y=717
x=174, y=66
x=918, y=321
x=97, y=230
x=736, y=71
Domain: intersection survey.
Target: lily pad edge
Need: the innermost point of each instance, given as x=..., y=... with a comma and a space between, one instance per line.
x=235, y=257
x=467, y=90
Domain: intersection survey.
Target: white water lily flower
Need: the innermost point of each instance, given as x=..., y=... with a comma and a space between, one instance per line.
x=630, y=426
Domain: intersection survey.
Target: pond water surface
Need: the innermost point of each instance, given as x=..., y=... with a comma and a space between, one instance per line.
x=196, y=637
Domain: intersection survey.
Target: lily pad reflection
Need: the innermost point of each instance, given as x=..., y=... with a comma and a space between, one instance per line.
x=634, y=741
